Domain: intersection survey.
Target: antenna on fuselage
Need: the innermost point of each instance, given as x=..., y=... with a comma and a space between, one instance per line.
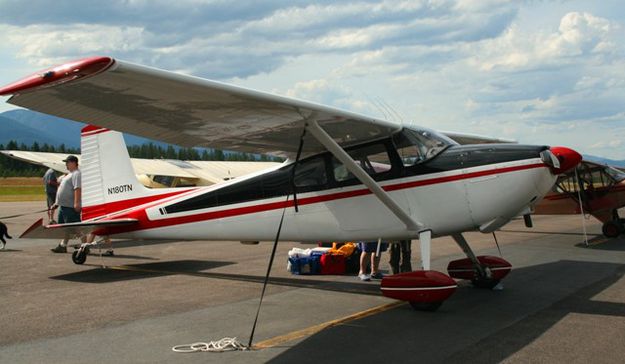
x=393, y=111
x=376, y=103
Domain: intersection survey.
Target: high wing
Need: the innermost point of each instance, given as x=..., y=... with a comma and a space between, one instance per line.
x=464, y=138
x=200, y=172
x=186, y=110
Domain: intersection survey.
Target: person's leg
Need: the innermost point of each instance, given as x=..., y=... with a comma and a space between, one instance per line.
x=50, y=202
x=375, y=264
x=71, y=216
x=62, y=247
x=406, y=255
x=394, y=255
x=362, y=273
x=364, y=261
x=63, y=219
x=109, y=243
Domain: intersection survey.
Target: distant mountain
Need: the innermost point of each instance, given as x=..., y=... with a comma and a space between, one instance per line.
x=10, y=129
x=601, y=160
x=26, y=126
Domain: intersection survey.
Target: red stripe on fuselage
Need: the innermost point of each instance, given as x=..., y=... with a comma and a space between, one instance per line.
x=115, y=207
x=145, y=223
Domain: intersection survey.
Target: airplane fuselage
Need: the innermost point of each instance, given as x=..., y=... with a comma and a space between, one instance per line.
x=462, y=188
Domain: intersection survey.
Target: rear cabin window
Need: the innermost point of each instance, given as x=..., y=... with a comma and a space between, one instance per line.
x=310, y=174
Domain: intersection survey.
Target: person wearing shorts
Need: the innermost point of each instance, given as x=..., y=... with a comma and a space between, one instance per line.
x=368, y=254
x=68, y=199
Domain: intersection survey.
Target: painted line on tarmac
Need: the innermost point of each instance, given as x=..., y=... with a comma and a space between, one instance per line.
x=278, y=340
x=294, y=335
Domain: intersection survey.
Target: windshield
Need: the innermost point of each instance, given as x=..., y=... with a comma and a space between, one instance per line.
x=416, y=146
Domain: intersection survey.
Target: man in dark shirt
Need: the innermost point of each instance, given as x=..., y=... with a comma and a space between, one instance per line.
x=51, y=185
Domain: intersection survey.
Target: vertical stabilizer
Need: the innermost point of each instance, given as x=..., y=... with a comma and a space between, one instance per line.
x=109, y=183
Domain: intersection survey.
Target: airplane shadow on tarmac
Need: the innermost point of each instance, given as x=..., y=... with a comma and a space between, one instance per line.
x=478, y=326
x=197, y=268
x=603, y=243
x=139, y=271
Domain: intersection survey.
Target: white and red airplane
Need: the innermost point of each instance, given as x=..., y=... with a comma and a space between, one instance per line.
x=348, y=177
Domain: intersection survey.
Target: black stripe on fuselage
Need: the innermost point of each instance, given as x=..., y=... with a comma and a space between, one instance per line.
x=278, y=183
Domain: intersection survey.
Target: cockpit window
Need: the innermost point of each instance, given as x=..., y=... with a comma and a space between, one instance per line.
x=418, y=146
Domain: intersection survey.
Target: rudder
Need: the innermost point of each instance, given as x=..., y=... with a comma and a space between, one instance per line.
x=109, y=182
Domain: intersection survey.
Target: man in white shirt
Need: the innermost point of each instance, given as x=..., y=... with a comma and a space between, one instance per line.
x=68, y=198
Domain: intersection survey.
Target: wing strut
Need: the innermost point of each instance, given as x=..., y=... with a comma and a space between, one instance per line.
x=362, y=176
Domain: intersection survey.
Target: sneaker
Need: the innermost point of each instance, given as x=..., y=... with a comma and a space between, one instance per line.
x=59, y=249
x=364, y=277
x=377, y=275
x=109, y=253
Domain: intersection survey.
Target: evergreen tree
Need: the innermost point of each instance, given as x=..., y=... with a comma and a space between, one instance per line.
x=219, y=155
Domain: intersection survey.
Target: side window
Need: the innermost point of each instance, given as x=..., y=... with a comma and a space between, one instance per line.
x=311, y=173
x=374, y=159
x=409, y=155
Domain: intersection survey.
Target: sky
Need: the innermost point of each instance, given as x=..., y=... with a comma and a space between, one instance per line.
x=539, y=72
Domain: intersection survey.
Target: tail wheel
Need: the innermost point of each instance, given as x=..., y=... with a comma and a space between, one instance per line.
x=612, y=229
x=79, y=256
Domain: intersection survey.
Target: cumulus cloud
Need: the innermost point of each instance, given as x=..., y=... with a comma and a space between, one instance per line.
x=223, y=39
x=482, y=66
x=579, y=34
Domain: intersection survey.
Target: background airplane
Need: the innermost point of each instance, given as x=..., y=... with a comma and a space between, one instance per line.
x=159, y=173
x=601, y=189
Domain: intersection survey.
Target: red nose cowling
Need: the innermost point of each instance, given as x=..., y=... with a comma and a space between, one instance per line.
x=568, y=158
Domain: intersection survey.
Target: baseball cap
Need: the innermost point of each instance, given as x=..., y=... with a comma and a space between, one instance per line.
x=71, y=158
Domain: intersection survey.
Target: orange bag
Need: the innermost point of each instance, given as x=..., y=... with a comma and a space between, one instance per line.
x=345, y=250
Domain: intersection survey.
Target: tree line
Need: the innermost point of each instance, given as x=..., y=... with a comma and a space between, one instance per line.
x=10, y=167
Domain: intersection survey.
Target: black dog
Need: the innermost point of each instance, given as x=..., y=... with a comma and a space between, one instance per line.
x=4, y=232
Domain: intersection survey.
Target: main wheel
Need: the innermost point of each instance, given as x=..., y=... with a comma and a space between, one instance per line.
x=612, y=229
x=426, y=306
x=79, y=256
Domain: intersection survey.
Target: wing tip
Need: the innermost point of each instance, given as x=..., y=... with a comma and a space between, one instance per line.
x=66, y=72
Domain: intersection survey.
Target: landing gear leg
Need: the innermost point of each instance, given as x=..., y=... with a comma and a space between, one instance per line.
x=484, y=277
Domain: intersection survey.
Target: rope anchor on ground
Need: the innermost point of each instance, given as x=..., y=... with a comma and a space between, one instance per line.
x=225, y=344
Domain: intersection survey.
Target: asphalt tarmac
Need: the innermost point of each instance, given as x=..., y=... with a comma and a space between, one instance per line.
x=563, y=302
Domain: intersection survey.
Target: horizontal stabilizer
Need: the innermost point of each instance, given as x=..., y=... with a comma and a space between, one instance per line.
x=60, y=231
